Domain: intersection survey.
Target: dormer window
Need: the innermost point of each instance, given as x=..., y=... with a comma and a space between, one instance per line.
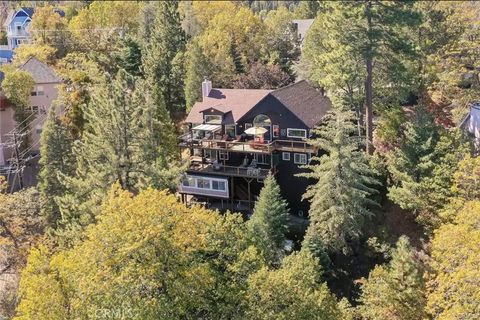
x=213, y=119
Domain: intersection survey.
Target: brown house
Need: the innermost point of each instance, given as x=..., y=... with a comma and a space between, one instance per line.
x=44, y=93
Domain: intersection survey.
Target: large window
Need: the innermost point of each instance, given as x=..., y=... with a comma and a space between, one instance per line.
x=203, y=183
x=218, y=185
x=261, y=120
x=296, y=133
x=299, y=158
x=213, y=119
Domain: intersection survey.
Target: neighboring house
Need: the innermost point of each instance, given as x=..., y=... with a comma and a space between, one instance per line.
x=44, y=93
x=17, y=28
x=471, y=123
x=301, y=27
x=228, y=166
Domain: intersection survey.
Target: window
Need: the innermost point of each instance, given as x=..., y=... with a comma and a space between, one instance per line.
x=189, y=182
x=299, y=158
x=283, y=132
x=223, y=155
x=286, y=156
x=213, y=119
x=203, y=183
x=40, y=91
x=276, y=130
x=34, y=109
x=296, y=133
x=261, y=120
x=218, y=185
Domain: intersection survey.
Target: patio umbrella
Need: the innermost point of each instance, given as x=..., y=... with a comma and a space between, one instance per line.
x=256, y=131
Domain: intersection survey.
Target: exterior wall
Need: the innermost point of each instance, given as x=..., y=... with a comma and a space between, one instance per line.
x=13, y=34
x=44, y=102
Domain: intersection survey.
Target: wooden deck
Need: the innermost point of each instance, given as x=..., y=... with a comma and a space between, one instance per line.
x=246, y=172
x=250, y=146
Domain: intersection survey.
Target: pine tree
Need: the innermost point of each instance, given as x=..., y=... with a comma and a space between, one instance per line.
x=376, y=37
x=56, y=159
x=125, y=143
x=166, y=41
x=268, y=224
x=197, y=69
x=396, y=291
x=339, y=200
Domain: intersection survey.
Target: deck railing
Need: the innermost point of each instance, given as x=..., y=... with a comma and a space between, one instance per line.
x=248, y=146
x=239, y=171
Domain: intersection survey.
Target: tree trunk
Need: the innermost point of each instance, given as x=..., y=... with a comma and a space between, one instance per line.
x=369, y=105
x=369, y=83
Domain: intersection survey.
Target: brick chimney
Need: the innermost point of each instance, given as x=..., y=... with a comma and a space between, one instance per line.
x=206, y=88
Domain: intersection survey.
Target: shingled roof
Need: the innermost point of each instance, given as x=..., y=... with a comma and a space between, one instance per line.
x=304, y=101
x=40, y=72
x=234, y=103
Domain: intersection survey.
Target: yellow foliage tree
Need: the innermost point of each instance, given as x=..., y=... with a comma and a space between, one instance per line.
x=455, y=281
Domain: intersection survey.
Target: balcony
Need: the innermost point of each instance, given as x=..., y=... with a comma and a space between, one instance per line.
x=218, y=143
x=256, y=172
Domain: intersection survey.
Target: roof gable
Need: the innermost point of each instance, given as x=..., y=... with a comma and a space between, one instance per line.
x=40, y=71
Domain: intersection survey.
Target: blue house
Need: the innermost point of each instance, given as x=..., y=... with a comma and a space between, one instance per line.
x=16, y=26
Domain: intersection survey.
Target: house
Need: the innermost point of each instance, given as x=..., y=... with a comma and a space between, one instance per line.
x=228, y=164
x=44, y=93
x=17, y=28
x=471, y=123
x=301, y=27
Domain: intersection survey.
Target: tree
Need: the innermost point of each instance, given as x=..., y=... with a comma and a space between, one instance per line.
x=41, y=52
x=307, y=9
x=421, y=169
x=148, y=257
x=454, y=281
x=232, y=43
x=268, y=224
x=396, y=291
x=49, y=28
x=18, y=85
x=339, y=199
x=197, y=68
x=21, y=227
x=123, y=142
x=261, y=76
x=56, y=159
x=163, y=53
x=291, y=292
x=377, y=38
x=280, y=42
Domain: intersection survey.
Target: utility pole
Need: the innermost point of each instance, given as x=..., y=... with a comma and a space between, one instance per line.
x=17, y=160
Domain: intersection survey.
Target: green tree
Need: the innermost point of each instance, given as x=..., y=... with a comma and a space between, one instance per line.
x=339, y=199
x=294, y=291
x=422, y=167
x=396, y=291
x=454, y=280
x=307, y=9
x=123, y=142
x=262, y=76
x=162, y=53
x=56, y=159
x=197, y=68
x=378, y=39
x=268, y=224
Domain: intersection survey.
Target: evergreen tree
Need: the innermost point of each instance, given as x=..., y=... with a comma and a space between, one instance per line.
x=163, y=47
x=197, y=69
x=123, y=142
x=56, y=159
x=422, y=167
x=268, y=224
x=378, y=39
x=396, y=291
x=339, y=200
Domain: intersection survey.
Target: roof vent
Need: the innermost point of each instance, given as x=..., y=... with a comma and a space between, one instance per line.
x=206, y=88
